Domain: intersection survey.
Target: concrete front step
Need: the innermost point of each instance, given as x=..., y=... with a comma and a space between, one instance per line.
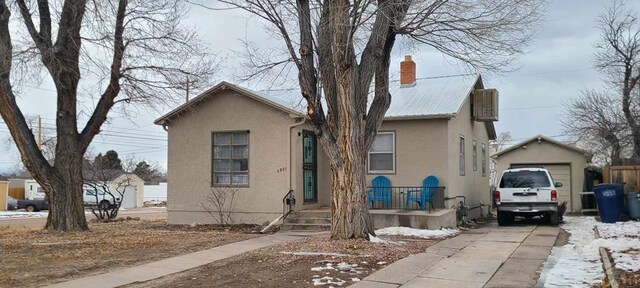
x=308, y=220
x=311, y=214
x=305, y=227
x=305, y=220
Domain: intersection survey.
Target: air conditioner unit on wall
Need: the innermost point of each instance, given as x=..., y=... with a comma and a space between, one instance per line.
x=485, y=105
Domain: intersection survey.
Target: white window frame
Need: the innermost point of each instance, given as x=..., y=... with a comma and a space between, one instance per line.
x=393, y=153
x=474, y=154
x=213, y=168
x=484, y=160
x=462, y=159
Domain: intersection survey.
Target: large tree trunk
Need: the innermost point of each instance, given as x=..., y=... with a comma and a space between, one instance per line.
x=349, y=212
x=66, y=204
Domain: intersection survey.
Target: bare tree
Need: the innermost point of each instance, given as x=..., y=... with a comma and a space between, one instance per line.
x=595, y=120
x=108, y=188
x=221, y=205
x=127, y=51
x=618, y=57
x=342, y=50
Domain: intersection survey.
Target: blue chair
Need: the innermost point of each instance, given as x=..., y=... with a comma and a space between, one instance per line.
x=423, y=195
x=380, y=191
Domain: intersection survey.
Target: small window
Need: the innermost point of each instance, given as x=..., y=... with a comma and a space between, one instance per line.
x=484, y=160
x=230, y=158
x=382, y=153
x=462, y=168
x=475, y=155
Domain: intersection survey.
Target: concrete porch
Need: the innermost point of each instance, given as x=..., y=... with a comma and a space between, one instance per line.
x=434, y=220
x=320, y=219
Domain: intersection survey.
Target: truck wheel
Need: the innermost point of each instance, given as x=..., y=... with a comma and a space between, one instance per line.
x=104, y=204
x=30, y=208
x=504, y=218
x=554, y=219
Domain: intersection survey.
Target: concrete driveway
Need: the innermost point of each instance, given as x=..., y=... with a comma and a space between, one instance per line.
x=490, y=256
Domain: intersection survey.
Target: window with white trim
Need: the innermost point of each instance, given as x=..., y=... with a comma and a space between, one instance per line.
x=382, y=153
x=462, y=164
x=484, y=160
x=475, y=155
x=230, y=158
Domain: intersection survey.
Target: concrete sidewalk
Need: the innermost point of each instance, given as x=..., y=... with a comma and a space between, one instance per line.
x=172, y=265
x=491, y=256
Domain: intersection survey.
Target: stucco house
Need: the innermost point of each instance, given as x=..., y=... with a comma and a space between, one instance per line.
x=260, y=143
x=566, y=164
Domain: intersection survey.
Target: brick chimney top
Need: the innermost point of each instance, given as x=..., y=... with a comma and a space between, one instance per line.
x=407, y=72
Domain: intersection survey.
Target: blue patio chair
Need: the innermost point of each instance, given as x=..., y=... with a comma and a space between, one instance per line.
x=423, y=195
x=380, y=191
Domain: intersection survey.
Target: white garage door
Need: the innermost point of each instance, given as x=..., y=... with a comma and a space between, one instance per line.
x=562, y=174
x=129, y=200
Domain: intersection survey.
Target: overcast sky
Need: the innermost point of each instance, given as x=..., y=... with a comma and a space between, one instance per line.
x=559, y=64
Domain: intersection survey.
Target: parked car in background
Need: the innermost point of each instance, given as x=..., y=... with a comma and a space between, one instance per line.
x=34, y=205
x=94, y=196
x=527, y=192
x=12, y=203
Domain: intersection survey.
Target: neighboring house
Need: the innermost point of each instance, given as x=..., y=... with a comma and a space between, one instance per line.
x=4, y=192
x=118, y=180
x=566, y=164
x=253, y=141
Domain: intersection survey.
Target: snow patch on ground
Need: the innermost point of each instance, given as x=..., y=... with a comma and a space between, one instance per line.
x=623, y=241
x=342, y=267
x=422, y=233
x=578, y=264
x=22, y=214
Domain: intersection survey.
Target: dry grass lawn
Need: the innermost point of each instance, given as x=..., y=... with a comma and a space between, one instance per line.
x=278, y=266
x=33, y=257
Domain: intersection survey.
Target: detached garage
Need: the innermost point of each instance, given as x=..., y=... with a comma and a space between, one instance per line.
x=119, y=180
x=566, y=164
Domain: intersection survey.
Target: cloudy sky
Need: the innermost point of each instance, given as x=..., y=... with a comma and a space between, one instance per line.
x=559, y=64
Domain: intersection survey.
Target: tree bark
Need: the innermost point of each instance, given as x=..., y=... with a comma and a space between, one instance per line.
x=66, y=204
x=350, y=214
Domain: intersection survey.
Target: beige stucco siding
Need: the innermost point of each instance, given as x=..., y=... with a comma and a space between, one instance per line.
x=189, y=159
x=542, y=153
x=420, y=151
x=473, y=185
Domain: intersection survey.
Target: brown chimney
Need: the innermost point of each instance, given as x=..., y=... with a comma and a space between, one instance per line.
x=407, y=71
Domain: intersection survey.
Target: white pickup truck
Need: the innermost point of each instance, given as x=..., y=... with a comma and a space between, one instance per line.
x=96, y=196
x=527, y=192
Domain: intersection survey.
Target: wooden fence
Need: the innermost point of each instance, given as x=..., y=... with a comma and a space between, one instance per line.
x=17, y=192
x=628, y=176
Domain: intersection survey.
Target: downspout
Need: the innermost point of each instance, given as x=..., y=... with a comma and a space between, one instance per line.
x=296, y=124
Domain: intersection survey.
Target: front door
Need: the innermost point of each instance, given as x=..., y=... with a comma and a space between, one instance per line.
x=309, y=167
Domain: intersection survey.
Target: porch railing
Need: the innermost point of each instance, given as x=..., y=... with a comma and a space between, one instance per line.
x=397, y=198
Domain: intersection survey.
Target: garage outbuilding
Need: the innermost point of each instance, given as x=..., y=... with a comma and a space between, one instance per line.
x=118, y=180
x=566, y=164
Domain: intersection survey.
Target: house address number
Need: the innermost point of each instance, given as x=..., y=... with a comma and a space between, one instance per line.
x=280, y=170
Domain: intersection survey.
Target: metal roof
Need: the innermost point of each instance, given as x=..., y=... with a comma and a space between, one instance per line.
x=429, y=97
x=437, y=97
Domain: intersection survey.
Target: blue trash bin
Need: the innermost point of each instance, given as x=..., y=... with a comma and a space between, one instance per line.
x=610, y=198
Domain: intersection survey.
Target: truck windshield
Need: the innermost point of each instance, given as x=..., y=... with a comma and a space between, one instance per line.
x=524, y=179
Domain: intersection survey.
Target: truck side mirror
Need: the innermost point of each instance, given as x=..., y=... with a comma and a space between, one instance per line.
x=558, y=184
